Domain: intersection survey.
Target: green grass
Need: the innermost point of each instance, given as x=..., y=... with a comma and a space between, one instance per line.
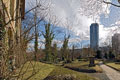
x=35, y=71
x=63, y=71
x=39, y=71
x=98, y=69
x=114, y=65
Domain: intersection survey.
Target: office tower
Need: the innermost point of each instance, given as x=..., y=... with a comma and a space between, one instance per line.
x=94, y=36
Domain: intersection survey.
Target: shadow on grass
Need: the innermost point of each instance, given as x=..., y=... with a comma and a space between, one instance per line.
x=61, y=77
x=81, y=70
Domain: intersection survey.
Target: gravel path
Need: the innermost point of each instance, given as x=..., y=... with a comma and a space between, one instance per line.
x=111, y=73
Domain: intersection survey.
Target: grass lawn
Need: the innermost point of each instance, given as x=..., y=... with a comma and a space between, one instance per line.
x=59, y=71
x=114, y=65
x=84, y=65
x=39, y=71
x=35, y=71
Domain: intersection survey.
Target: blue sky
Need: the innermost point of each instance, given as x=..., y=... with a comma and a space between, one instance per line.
x=113, y=16
x=76, y=15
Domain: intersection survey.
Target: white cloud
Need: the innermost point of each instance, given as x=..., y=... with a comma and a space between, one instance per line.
x=106, y=34
x=79, y=14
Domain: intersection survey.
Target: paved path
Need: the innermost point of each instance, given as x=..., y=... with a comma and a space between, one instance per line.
x=100, y=76
x=111, y=73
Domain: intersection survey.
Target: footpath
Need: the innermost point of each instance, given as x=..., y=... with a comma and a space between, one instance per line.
x=111, y=73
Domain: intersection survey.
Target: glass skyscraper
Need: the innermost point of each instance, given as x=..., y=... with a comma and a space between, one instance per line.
x=94, y=36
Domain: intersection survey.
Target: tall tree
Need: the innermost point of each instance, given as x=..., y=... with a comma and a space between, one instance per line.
x=73, y=51
x=64, y=49
x=49, y=36
x=55, y=52
x=36, y=33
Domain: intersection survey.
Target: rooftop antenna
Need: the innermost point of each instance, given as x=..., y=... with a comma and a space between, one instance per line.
x=96, y=20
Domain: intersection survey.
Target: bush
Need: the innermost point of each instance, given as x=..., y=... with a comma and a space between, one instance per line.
x=99, y=54
x=111, y=55
x=106, y=56
x=79, y=57
x=118, y=58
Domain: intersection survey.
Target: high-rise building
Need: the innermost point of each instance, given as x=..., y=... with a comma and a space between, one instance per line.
x=94, y=36
x=116, y=44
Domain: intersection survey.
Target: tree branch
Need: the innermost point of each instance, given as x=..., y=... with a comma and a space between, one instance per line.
x=111, y=3
x=22, y=16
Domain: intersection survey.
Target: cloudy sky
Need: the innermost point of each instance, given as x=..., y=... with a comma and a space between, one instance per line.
x=79, y=14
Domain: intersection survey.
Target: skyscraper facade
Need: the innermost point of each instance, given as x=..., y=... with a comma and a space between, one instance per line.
x=116, y=44
x=94, y=36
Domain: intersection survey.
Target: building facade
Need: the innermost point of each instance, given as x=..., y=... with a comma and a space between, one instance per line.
x=116, y=44
x=94, y=36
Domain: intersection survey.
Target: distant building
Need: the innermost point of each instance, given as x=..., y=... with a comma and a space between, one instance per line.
x=94, y=36
x=116, y=44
